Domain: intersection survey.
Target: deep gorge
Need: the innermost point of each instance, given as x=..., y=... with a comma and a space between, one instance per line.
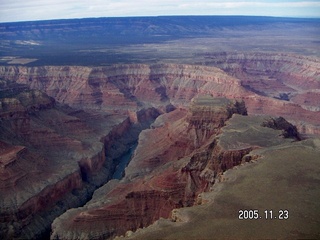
x=123, y=161
x=80, y=119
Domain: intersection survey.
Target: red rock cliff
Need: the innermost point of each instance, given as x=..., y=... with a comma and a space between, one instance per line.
x=173, y=163
x=273, y=84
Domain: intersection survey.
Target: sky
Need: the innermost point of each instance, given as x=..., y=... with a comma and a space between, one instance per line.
x=26, y=10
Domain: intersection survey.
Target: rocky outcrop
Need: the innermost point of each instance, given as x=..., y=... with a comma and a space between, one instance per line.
x=109, y=106
x=272, y=84
x=124, y=86
x=269, y=73
x=275, y=179
x=308, y=100
x=53, y=157
x=293, y=79
x=177, y=159
x=288, y=130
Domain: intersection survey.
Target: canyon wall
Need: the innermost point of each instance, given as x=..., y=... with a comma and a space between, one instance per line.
x=52, y=157
x=124, y=86
x=69, y=124
x=291, y=78
x=181, y=156
x=273, y=84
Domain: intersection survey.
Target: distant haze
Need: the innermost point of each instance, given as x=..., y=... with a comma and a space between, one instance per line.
x=26, y=10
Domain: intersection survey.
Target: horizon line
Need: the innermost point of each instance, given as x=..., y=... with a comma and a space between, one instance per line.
x=156, y=16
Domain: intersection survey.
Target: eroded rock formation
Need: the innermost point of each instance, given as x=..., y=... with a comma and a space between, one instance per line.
x=273, y=84
x=291, y=78
x=288, y=130
x=53, y=157
x=176, y=160
x=68, y=124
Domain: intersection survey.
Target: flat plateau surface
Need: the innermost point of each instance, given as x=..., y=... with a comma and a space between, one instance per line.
x=184, y=40
x=285, y=178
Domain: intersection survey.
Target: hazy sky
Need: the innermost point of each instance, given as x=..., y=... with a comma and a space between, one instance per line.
x=22, y=10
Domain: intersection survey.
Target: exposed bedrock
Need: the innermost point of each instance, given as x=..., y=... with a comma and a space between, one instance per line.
x=181, y=156
x=126, y=86
x=62, y=130
x=287, y=77
x=53, y=157
x=288, y=130
x=273, y=84
x=269, y=73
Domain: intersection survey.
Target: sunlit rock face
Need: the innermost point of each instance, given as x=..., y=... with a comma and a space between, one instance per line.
x=52, y=157
x=274, y=84
x=124, y=85
x=294, y=79
x=178, y=158
x=69, y=123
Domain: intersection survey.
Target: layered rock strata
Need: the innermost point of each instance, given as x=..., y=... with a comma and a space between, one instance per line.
x=291, y=78
x=177, y=159
x=52, y=157
x=77, y=144
x=282, y=175
x=273, y=84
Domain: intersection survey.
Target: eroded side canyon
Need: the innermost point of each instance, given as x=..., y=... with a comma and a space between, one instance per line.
x=174, y=163
x=63, y=127
x=276, y=84
x=53, y=156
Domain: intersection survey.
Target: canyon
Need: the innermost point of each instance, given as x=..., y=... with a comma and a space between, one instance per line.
x=175, y=162
x=274, y=84
x=199, y=131
x=53, y=157
x=77, y=121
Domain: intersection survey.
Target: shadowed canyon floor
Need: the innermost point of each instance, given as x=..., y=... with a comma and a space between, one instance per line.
x=196, y=99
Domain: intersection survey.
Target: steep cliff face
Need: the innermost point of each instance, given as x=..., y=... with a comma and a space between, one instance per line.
x=124, y=85
x=288, y=130
x=270, y=73
x=274, y=178
x=293, y=79
x=272, y=84
x=73, y=148
x=180, y=157
x=308, y=99
x=53, y=157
